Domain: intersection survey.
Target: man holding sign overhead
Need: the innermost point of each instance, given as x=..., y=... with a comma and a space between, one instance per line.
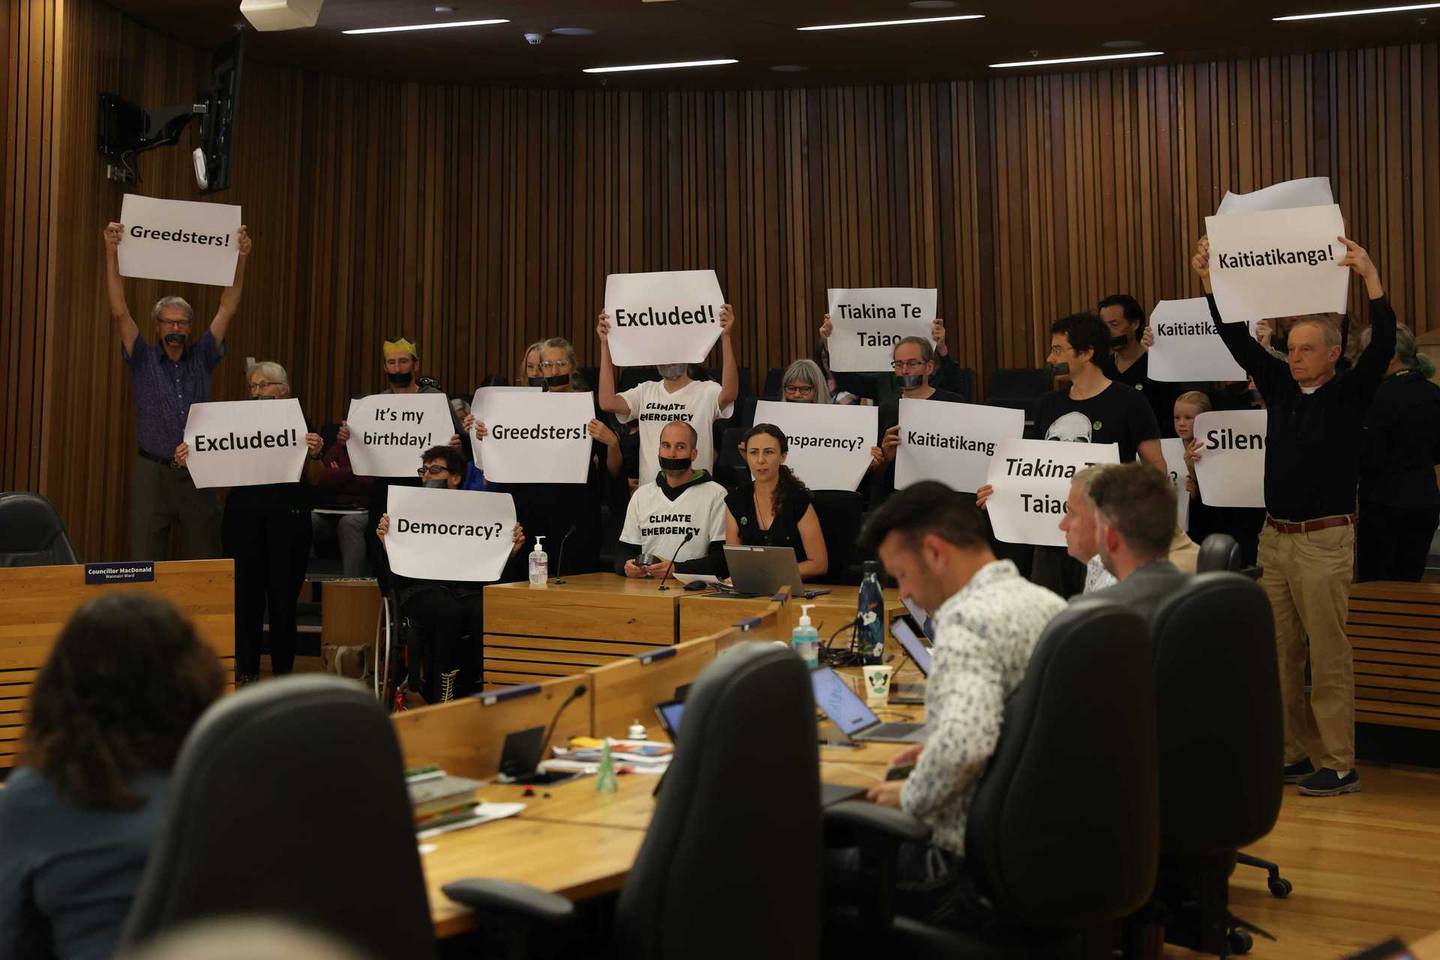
x=1315, y=433
x=169, y=375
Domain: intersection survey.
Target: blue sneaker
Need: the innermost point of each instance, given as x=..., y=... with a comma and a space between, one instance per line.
x=1295, y=772
x=1329, y=783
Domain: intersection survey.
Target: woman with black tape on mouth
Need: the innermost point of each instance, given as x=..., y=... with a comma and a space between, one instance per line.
x=266, y=530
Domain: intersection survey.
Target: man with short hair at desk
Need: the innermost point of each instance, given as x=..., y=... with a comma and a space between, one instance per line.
x=1134, y=527
x=679, y=517
x=987, y=621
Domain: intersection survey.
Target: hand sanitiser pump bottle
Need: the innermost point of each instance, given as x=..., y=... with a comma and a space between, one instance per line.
x=539, y=564
x=805, y=639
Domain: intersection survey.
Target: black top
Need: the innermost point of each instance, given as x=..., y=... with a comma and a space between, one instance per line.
x=1314, y=440
x=784, y=527
x=1160, y=395
x=1118, y=414
x=1402, y=443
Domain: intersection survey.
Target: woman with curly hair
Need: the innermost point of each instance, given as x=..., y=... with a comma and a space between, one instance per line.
x=125, y=682
x=774, y=509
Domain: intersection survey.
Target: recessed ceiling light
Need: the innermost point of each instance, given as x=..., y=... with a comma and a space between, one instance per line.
x=444, y=9
x=893, y=23
x=789, y=68
x=933, y=4
x=1359, y=13
x=1108, y=56
x=428, y=26
x=1123, y=44
x=573, y=32
x=660, y=66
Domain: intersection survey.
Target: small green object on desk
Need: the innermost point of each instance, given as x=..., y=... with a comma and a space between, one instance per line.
x=605, y=776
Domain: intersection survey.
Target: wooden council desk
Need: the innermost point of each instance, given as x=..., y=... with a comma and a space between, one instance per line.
x=705, y=613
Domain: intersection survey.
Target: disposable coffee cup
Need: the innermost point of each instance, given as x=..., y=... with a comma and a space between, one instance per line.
x=877, y=682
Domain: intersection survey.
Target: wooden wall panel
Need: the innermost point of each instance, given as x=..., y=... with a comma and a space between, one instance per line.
x=477, y=220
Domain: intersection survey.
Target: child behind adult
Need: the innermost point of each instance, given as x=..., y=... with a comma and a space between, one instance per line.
x=125, y=682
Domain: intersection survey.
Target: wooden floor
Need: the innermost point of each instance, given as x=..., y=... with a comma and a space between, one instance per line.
x=1365, y=867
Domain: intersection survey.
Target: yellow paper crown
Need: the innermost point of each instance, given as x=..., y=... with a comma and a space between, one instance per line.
x=402, y=347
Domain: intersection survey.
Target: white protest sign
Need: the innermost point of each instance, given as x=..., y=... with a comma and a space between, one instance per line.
x=1277, y=263
x=867, y=323
x=1305, y=192
x=1231, y=469
x=1186, y=346
x=829, y=443
x=241, y=443
x=178, y=240
x=667, y=317
x=951, y=442
x=1032, y=482
x=537, y=438
x=477, y=410
x=449, y=534
x=1173, y=449
x=389, y=431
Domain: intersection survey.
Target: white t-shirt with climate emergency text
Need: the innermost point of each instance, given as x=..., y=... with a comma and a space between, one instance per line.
x=656, y=524
x=698, y=402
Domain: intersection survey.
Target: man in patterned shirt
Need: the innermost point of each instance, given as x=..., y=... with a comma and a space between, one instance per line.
x=987, y=621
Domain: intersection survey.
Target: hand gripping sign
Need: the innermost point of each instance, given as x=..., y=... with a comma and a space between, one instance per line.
x=449, y=534
x=242, y=443
x=178, y=240
x=668, y=317
x=867, y=323
x=829, y=444
x=1032, y=482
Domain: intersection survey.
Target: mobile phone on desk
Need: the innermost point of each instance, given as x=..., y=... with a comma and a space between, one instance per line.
x=899, y=772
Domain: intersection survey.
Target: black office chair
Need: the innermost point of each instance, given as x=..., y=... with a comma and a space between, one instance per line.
x=31, y=532
x=1062, y=833
x=730, y=865
x=841, y=513
x=1217, y=692
x=289, y=799
x=965, y=383
x=1018, y=387
x=773, y=389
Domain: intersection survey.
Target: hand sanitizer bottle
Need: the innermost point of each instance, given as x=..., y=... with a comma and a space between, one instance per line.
x=539, y=564
x=805, y=639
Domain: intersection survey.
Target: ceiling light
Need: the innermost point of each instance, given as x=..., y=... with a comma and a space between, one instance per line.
x=893, y=23
x=573, y=32
x=660, y=66
x=428, y=26
x=789, y=68
x=1360, y=13
x=1108, y=56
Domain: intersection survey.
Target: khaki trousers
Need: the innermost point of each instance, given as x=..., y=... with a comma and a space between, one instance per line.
x=1307, y=577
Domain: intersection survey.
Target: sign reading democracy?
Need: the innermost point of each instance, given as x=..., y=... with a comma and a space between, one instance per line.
x=1186, y=346
x=1032, y=482
x=537, y=438
x=178, y=240
x=866, y=323
x=1277, y=263
x=241, y=443
x=664, y=317
x=829, y=443
x=449, y=534
x=1231, y=468
x=951, y=442
x=389, y=432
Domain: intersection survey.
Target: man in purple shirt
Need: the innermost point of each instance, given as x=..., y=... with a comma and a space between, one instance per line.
x=169, y=375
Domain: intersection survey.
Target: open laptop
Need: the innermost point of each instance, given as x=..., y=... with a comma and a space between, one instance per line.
x=852, y=717
x=907, y=634
x=763, y=570
x=670, y=713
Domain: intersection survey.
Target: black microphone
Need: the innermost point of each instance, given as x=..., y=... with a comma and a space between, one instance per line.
x=536, y=777
x=689, y=535
x=560, y=559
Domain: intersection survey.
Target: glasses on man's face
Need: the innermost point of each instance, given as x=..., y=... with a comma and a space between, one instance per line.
x=554, y=366
x=799, y=390
x=433, y=470
x=258, y=385
x=177, y=324
x=899, y=365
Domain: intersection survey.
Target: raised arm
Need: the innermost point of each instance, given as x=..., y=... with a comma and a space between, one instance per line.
x=610, y=401
x=729, y=369
x=115, y=289
x=230, y=299
x=1375, y=358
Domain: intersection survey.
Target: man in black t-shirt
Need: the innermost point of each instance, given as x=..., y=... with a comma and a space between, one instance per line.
x=913, y=361
x=1094, y=409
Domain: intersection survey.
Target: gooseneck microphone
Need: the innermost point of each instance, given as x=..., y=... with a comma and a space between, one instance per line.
x=689, y=535
x=560, y=558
